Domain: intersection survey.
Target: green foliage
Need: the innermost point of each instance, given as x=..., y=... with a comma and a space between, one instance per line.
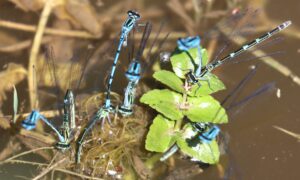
x=182, y=62
x=206, y=109
x=214, y=85
x=195, y=103
x=165, y=102
x=204, y=152
x=161, y=135
x=200, y=109
x=170, y=79
x=174, y=82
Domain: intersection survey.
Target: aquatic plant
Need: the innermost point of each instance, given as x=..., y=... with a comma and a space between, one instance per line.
x=182, y=105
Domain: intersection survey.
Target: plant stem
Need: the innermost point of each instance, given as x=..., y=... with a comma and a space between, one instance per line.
x=25, y=153
x=49, y=31
x=152, y=160
x=49, y=169
x=21, y=45
x=32, y=86
x=183, y=104
x=178, y=125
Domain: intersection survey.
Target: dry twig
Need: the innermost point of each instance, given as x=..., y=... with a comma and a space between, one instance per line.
x=49, y=31
x=295, y=135
x=25, y=153
x=32, y=86
x=43, y=173
x=76, y=174
x=21, y=45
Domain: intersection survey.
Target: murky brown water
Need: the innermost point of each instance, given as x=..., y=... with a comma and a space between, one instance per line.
x=257, y=150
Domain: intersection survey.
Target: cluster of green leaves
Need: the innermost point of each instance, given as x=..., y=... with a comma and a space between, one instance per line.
x=200, y=107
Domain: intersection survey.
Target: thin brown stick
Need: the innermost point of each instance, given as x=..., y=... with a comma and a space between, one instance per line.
x=9, y=149
x=176, y=7
x=295, y=135
x=52, y=160
x=21, y=45
x=16, y=161
x=50, y=31
x=32, y=87
x=43, y=173
x=76, y=174
x=48, y=140
x=49, y=113
x=25, y=153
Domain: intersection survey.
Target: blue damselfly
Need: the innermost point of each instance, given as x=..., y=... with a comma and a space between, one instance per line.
x=133, y=74
x=103, y=112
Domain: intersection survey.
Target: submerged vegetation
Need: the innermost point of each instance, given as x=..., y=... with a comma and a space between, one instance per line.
x=100, y=134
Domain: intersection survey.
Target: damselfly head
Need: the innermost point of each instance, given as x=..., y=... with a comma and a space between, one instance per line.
x=133, y=14
x=210, y=134
x=30, y=122
x=184, y=44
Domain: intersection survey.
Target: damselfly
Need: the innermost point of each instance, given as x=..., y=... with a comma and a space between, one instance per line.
x=207, y=132
x=128, y=25
x=194, y=77
x=133, y=74
x=216, y=63
x=204, y=133
x=185, y=44
x=67, y=126
x=65, y=131
x=103, y=113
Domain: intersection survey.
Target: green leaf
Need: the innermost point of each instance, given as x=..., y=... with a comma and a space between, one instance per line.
x=204, y=56
x=161, y=135
x=165, y=102
x=170, y=79
x=182, y=62
x=15, y=105
x=205, y=109
x=214, y=85
x=204, y=152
